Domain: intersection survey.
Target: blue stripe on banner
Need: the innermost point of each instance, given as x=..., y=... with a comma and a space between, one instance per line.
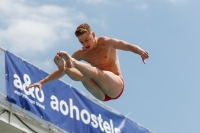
x=60, y=104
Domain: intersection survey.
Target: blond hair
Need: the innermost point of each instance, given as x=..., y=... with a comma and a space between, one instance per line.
x=81, y=29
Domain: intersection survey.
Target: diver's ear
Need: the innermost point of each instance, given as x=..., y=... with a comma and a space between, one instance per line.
x=93, y=34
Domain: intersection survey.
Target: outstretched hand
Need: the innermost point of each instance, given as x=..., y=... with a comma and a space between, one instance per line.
x=38, y=85
x=144, y=55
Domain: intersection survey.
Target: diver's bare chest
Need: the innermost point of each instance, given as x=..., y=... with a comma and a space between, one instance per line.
x=97, y=57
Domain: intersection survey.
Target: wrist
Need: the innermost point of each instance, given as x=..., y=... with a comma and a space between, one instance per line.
x=140, y=52
x=41, y=81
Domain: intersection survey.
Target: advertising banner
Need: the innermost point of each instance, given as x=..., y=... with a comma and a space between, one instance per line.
x=61, y=104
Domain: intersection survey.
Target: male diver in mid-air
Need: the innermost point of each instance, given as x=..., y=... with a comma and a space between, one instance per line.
x=103, y=78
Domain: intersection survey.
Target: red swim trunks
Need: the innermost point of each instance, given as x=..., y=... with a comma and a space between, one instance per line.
x=107, y=98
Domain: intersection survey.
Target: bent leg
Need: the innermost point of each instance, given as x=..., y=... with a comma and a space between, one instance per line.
x=76, y=75
x=109, y=83
x=93, y=88
x=88, y=83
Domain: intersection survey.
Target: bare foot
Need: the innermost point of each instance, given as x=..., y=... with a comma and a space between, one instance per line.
x=69, y=60
x=60, y=62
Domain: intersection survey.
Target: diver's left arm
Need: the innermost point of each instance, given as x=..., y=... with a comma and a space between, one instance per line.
x=122, y=45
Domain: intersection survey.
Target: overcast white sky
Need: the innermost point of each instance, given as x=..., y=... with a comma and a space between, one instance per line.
x=162, y=95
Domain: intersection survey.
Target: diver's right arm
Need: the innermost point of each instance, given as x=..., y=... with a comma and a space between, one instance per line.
x=51, y=77
x=61, y=64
